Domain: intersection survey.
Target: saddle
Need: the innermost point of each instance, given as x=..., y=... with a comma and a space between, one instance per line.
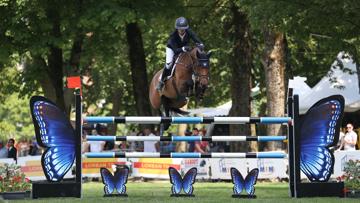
x=176, y=58
x=190, y=83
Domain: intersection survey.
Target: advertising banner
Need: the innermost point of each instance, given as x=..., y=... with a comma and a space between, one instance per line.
x=214, y=169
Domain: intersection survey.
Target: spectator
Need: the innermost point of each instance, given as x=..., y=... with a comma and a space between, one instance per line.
x=34, y=147
x=195, y=132
x=102, y=130
x=139, y=147
x=96, y=146
x=201, y=146
x=168, y=147
x=12, y=151
x=122, y=146
x=23, y=147
x=85, y=146
x=3, y=151
x=187, y=132
x=349, y=139
x=132, y=144
x=150, y=146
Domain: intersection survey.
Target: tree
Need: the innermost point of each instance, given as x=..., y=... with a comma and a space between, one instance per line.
x=274, y=65
x=316, y=31
x=232, y=60
x=237, y=29
x=15, y=121
x=138, y=69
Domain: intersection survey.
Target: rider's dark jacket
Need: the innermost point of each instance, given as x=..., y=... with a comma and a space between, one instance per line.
x=175, y=43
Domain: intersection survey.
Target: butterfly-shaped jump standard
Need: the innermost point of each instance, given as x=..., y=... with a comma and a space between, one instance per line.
x=319, y=130
x=240, y=183
x=54, y=133
x=179, y=183
x=115, y=182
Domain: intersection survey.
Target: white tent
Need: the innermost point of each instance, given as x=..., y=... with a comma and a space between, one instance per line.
x=349, y=83
x=221, y=110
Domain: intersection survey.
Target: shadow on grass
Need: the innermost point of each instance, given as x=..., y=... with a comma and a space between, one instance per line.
x=152, y=192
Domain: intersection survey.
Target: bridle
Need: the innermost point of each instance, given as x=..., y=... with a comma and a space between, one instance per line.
x=194, y=66
x=197, y=75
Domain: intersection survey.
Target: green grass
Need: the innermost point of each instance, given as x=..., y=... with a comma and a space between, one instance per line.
x=204, y=192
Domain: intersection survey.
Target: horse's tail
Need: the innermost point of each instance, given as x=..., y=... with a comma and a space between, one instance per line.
x=179, y=111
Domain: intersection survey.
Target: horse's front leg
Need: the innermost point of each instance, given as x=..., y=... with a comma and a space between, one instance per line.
x=189, y=87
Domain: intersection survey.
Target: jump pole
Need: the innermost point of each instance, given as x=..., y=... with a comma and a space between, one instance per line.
x=186, y=120
x=264, y=155
x=186, y=138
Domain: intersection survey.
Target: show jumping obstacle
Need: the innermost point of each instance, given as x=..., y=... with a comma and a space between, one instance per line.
x=297, y=189
x=289, y=121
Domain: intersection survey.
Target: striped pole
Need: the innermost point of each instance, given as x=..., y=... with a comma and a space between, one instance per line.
x=184, y=155
x=185, y=138
x=179, y=120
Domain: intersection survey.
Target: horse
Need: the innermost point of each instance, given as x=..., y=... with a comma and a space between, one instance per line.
x=190, y=71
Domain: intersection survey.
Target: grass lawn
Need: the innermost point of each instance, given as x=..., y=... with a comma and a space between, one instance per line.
x=204, y=192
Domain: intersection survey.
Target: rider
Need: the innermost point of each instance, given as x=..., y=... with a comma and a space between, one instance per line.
x=177, y=43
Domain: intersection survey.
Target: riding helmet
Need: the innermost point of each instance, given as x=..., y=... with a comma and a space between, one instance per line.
x=181, y=23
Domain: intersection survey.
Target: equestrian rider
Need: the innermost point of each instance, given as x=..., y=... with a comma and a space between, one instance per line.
x=177, y=43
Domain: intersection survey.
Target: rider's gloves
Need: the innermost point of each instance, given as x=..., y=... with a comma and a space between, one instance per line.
x=186, y=48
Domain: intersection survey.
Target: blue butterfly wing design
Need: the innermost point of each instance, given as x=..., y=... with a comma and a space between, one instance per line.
x=319, y=130
x=238, y=180
x=55, y=133
x=108, y=180
x=120, y=178
x=250, y=181
x=189, y=180
x=175, y=180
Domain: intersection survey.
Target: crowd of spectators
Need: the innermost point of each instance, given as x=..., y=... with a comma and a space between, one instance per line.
x=11, y=149
x=22, y=148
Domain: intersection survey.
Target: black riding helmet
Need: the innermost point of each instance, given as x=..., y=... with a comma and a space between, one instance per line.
x=181, y=23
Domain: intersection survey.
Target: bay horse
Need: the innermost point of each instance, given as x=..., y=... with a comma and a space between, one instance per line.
x=190, y=70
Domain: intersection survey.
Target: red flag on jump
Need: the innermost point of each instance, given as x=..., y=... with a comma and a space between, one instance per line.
x=74, y=82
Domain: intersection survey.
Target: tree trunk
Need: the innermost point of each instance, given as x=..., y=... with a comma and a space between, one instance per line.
x=45, y=82
x=115, y=100
x=55, y=57
x=240, y=64
x=274, y=66
x=138, y=69
x=73, y=69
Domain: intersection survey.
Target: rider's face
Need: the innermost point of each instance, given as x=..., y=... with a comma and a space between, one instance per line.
x=181, y=31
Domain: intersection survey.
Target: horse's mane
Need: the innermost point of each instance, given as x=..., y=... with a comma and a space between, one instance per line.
x=192, y=54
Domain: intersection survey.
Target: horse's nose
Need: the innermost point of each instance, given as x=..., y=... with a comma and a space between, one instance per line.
x=204, y=83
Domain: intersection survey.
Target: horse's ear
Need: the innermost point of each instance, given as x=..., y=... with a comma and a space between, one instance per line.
x=197, y=54
x=209, y=54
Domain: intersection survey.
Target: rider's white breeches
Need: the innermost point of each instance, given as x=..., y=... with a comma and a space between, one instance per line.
x=169, y=57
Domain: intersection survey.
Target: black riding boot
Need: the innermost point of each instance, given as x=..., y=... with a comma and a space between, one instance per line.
x=166, y=72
